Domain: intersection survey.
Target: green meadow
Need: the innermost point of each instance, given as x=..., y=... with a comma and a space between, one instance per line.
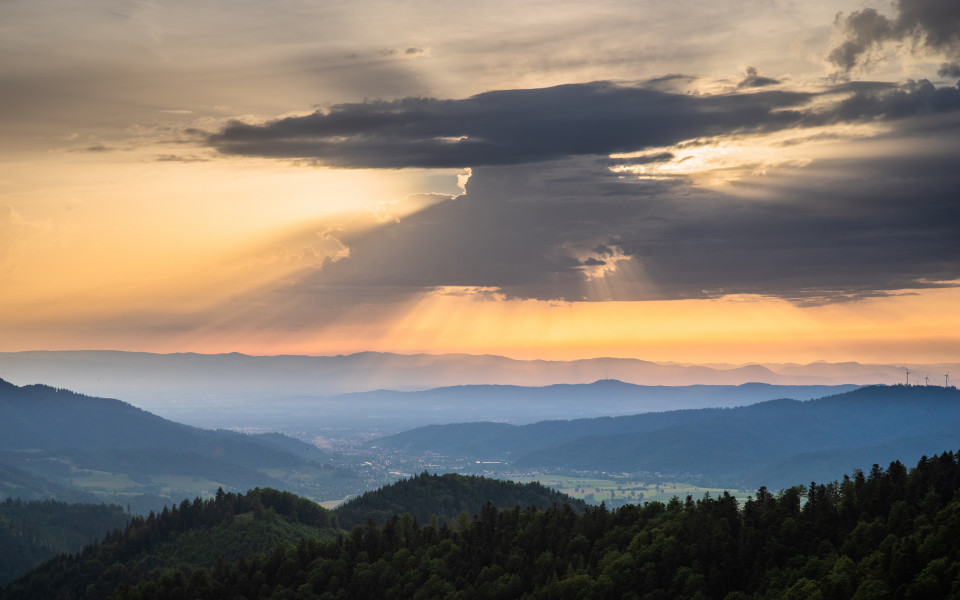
x=619, y=490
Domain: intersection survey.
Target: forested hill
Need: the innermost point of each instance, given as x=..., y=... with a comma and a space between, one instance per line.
x=199, y=537
x=446, y=497
x=775, y=443
x=889, y=533
x=32, y=532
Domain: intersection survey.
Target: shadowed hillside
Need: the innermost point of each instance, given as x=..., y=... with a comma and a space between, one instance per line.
x=31, y=532
x=198, y=535
x=446, y=496
x=57, y=443
x=775, y=442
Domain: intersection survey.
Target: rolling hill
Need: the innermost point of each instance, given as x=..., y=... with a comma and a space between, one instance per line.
x=446, y=496
x=774, y=442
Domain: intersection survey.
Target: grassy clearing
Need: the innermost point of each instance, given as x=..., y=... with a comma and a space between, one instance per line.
x=103, y=481
x=617, y=490
x=331, y=504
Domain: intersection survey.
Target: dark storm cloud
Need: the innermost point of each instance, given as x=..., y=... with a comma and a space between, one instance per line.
x=507, y=127
x=933, y=25
x=529, y=230
x=911, y=99
x=949, y=70
x=864, y=228
x=843, y=229
x=520, y=126
x=544, y=216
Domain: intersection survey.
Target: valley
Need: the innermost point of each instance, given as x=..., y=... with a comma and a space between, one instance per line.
x=288, y=486
x=107, y=450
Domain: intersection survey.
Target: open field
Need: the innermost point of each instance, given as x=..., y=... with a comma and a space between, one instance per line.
x=331, y=504
x=102, y=481
x=622, y=490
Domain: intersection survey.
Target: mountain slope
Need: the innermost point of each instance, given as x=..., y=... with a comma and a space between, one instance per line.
x=503, y=441
x=19, y=484
x=39, y=417
x=729, y=445
x=77, y=441
x=741, y=444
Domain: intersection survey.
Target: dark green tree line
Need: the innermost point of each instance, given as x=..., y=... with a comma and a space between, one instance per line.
x=889, y=533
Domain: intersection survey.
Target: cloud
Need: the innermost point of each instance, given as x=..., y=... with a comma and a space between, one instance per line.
x=181, y=158
x=506, y=126
x=95, y=148
x=572, y=230
x=949, y=70
x=910, y=99
x=408, y=52
x=753, y=79
x=929, y=25
x=548, y=214
x=521, y=126
x=843, y=229
x=641, y=160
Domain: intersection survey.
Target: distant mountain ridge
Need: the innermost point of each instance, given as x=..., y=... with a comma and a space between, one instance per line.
x=137, y=375
x=237, y=391
x=523, y=404
x=773, y=442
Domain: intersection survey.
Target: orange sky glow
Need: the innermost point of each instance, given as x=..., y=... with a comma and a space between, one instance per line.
x=167, y=184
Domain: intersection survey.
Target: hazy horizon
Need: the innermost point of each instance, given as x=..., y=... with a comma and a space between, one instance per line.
x=145, y=375
x=507, y=355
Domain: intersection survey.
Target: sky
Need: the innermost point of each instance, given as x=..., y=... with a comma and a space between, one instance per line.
x=690, y=181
